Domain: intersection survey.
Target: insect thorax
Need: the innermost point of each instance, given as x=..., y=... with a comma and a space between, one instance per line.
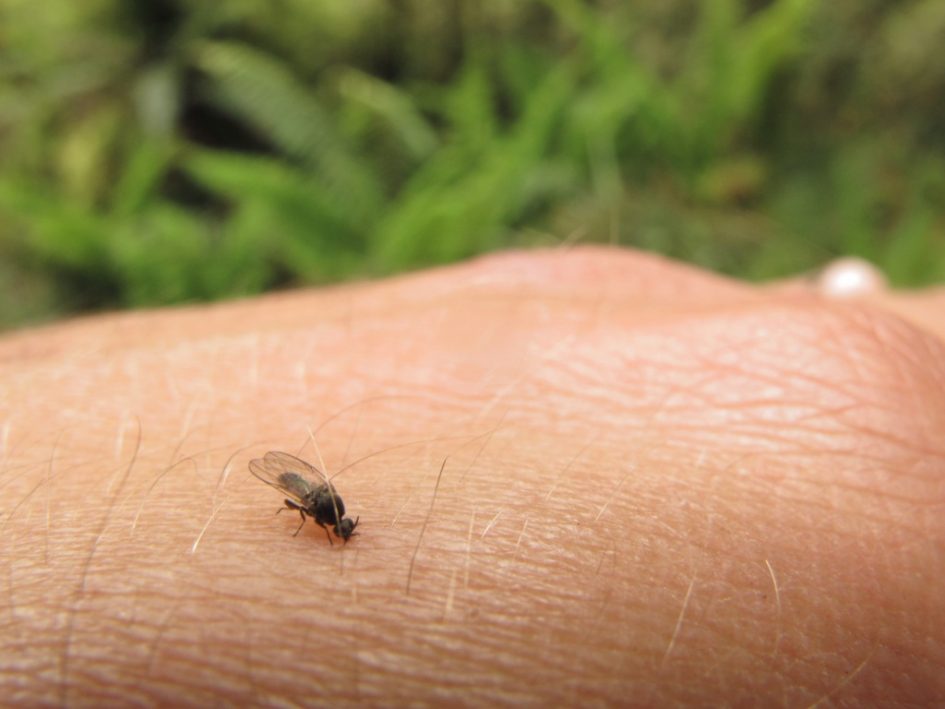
x=325, y=505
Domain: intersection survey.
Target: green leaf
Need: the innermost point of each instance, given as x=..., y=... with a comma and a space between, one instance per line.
x=261, y=91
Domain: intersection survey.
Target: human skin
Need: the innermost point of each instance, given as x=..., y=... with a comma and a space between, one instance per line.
x=658, y=486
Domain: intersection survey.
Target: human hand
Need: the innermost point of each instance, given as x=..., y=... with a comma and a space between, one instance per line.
x=660, y=486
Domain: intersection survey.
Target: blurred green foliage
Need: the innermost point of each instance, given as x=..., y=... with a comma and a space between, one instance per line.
x=174, y=150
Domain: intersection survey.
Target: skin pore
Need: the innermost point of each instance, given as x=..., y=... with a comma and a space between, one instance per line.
x=588, y=476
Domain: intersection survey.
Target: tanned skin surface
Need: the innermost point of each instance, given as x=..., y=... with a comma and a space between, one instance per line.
x=600, y=477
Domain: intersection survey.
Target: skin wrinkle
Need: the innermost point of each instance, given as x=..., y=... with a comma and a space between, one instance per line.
x=844, y=355
x=897, y=346
x=721, y=549
x=693, y=388
x=42, y=482
x=846, y=328
x=900, y=371
x=877, y=432
x=80, y=589
x=775, y=377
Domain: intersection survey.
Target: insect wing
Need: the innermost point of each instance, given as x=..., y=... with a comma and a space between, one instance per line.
x=286, y=473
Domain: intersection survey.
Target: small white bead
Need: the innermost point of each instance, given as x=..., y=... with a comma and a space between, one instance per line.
x=850, y=277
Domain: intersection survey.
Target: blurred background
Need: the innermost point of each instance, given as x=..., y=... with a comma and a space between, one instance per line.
x=182, y=150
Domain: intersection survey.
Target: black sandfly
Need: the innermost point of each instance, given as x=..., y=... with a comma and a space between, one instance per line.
x=309, y=491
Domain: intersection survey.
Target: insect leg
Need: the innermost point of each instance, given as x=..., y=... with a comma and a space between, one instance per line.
x=326, y=531
x=289, y=504
x=302, y=515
